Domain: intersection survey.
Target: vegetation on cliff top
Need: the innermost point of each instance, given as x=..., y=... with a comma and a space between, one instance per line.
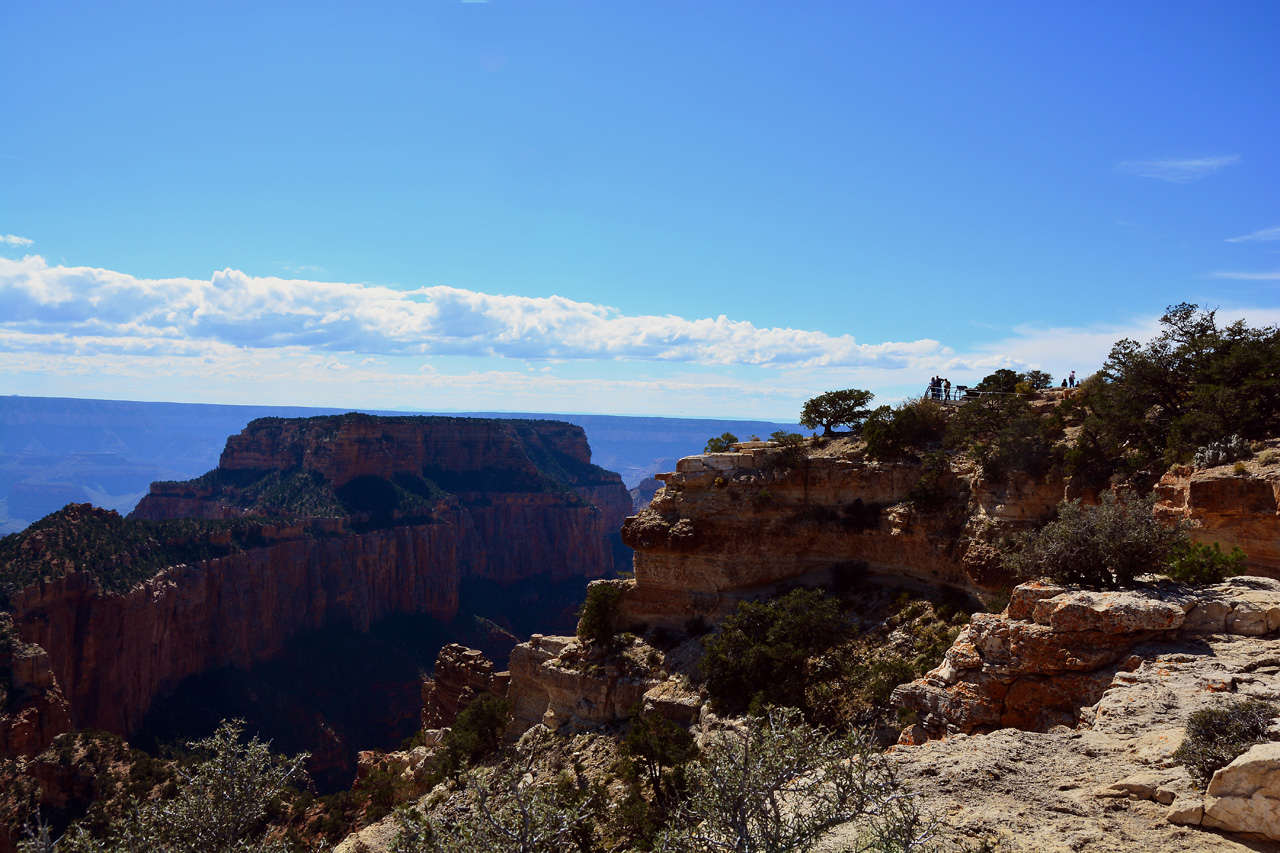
x=1193, y=384
x=302, y=492
x=118, y=552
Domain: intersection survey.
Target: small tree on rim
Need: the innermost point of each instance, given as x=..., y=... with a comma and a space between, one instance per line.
x=836, y=408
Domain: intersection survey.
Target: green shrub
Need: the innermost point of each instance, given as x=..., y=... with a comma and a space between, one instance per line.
x=1217, y=736
x=913, y=426
x=222, y=802
x=1103, y=547
x=722, y=443
x=1221, y=452
x=656, y=743
x=599, y=613
x=760, y=655
x=1002, y=434
x=1200, y=564
x=1038, y=380
x=784, y=438
x=477, y=731
x=1194, y=383
x=738, y=789
x=1003, y=381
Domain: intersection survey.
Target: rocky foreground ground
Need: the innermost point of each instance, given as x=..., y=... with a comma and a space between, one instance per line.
x=1107, y=782
x=1051, y=727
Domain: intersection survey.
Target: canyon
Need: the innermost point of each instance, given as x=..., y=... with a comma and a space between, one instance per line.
x=403, y=514
x=487, y=500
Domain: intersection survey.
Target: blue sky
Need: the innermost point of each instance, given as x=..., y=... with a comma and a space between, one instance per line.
x=698, y=209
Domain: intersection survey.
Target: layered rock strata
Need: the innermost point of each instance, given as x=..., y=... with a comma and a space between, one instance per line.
x=1228, y=507
x=727, y=526
x=112, y=653
x=34, y=710
x=557, y=682
x=460, y=675
x=1083, y=698
x=1050, y=657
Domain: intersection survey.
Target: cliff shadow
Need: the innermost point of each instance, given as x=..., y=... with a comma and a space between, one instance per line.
x=337, y=691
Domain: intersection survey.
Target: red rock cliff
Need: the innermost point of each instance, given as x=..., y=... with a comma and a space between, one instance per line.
x=1229, y=507
x=732, y=525
x=113, y=653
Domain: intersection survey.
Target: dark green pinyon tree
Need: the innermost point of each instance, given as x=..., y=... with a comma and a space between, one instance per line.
x=722, y=443
x=836, y=408
x=1194, y=384
x=761, y=654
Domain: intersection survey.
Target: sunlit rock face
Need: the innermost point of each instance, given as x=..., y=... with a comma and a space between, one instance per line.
x=1054, y=653
x=1229, y=507
x=732, y=525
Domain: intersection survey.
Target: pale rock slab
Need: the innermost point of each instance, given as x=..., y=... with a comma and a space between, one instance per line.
x=1244, y=796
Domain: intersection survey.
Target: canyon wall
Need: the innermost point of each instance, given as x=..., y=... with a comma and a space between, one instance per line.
x=112, y=653
x=728, y=526
x=1232, y=508
x=510, y=500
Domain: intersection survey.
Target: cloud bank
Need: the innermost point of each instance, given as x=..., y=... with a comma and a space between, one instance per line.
x=90, y=309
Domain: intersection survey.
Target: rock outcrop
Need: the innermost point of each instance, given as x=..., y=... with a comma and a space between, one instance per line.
x=460, y=675
x=1244, y=796
x=431, y=501
x=732, y=525
x=112, y=653
x=1083, y=698
x=1054, y=652
x=1229, y=508
x=558, y=682
x=33, y=709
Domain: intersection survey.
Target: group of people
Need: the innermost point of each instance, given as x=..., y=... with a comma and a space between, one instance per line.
x=939, y=388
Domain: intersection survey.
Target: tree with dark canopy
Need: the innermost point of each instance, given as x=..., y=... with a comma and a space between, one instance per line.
x=1195, y=383
x=836, y=408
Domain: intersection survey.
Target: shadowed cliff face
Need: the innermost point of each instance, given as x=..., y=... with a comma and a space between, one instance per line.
x=368, y=517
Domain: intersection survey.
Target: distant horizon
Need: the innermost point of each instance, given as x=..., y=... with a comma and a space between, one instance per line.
x=671, y=209
x=440, y=411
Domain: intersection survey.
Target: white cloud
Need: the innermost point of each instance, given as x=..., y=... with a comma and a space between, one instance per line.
x=95, y=305
x=1249, y=276
x=1263, y=236
x=14, y=240
x=1178, y=170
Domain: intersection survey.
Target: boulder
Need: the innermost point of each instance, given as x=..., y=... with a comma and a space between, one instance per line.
x=1244, y=796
